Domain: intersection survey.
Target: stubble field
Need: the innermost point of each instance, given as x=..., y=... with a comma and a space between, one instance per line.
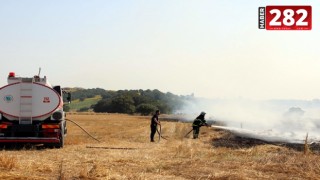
x=126, y=153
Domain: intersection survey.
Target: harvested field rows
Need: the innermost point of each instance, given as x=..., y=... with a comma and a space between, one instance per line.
x=126, y=153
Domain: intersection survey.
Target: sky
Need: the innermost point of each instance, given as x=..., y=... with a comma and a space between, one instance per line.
x=211, y=48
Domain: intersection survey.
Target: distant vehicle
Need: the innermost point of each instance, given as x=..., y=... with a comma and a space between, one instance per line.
x=31, y=111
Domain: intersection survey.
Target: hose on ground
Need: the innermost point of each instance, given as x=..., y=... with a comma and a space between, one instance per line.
x=83, y=129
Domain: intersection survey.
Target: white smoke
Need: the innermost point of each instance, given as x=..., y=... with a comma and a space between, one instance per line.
x=286, y=119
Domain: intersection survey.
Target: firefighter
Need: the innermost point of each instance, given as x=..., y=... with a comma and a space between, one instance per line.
x=197, y=123
x=154, y=123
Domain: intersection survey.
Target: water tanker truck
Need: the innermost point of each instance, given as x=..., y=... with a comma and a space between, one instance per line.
x=31, y=111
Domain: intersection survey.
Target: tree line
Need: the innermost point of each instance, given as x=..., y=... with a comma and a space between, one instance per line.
x=133, y=101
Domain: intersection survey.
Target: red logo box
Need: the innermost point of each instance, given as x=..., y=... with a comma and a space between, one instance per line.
x=288, y=17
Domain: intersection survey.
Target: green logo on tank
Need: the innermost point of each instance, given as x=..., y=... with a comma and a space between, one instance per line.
x=8, y=98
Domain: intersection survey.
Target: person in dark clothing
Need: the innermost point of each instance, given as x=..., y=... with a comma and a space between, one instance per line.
x=197, y=123
x=154, y=122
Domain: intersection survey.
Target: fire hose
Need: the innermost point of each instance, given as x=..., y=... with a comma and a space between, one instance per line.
x=83, y=129
x=114, y=148
x=188, y=133
x=192, y=130
x=160, y=136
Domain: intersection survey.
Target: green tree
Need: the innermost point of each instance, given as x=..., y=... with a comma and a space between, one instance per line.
x=123, y=104
x=102, y=106
x=130, y=101
x=146, y=109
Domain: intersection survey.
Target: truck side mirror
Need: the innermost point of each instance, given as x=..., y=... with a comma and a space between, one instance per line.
x=69, y=97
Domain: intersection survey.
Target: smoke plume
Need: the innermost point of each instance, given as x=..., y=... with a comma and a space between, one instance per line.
x=285, y=119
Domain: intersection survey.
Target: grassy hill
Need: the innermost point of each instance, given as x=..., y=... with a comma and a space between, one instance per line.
x=76, y=105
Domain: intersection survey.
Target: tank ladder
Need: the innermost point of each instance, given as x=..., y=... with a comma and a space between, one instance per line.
x=25, y=102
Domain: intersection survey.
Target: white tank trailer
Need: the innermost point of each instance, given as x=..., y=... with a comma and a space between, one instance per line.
x=31, y=111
